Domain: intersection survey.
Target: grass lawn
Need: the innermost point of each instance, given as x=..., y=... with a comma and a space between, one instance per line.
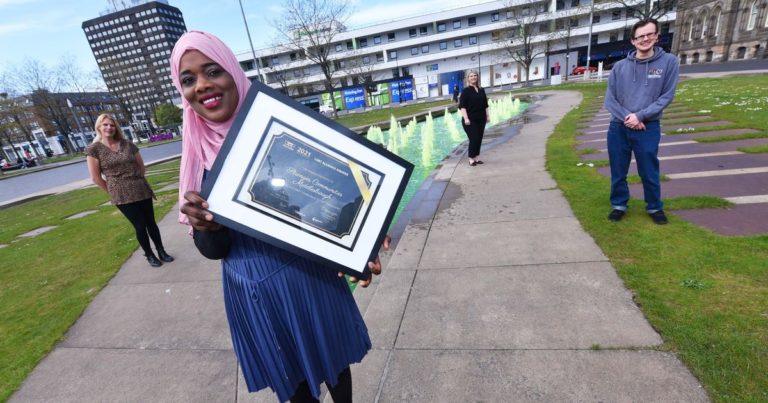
x=707, y=295
x=47, y=281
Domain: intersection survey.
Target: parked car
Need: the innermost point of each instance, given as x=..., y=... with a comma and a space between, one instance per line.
x=326, y=110
x=577, y=71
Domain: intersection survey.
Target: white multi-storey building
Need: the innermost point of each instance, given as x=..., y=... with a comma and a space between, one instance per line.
x=425, y=56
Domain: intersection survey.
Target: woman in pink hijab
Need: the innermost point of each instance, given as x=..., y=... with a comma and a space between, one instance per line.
x=294, y=323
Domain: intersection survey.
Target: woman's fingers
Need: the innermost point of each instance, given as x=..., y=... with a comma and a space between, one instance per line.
x=195, y=209
x=375, y=266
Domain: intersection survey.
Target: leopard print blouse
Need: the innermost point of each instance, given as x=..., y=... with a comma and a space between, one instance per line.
x=121, y=171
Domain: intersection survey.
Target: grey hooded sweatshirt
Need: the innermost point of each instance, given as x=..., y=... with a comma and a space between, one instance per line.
x=643, y=87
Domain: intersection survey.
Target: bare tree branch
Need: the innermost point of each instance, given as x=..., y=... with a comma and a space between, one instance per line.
x=310, y=26
x=526, y=36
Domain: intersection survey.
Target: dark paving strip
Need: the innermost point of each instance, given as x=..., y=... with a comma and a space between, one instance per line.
x=690, y=119
x=717, y=163
x=696, y=148
x=672, y=128
x=712, y=133
x=675, y=136
x=720, y=186
x=603, y=122
x=677, y=115
x=739, y=220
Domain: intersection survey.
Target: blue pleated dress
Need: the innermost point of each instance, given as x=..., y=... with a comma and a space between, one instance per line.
x=291, y=319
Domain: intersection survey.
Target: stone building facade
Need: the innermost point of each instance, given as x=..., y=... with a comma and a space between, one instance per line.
x=721, y=30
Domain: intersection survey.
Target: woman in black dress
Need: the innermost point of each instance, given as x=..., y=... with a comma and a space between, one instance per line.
x=473, y=105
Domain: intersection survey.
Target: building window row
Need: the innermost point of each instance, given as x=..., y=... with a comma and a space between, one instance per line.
x=109, y=32
x=109, y=23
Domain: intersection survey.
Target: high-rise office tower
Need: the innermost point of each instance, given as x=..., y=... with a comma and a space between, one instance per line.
x=132, y=41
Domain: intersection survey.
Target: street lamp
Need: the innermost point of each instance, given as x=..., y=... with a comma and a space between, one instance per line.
x=589, y=38
x=253, y=52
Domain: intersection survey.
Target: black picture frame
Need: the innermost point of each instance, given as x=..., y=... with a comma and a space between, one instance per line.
x=345, y=189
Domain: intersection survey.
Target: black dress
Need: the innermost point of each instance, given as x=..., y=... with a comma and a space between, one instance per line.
x=476, y=103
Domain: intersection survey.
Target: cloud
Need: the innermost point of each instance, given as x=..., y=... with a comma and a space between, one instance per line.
x=16, y=27
x=6, y=3
x=53, y=21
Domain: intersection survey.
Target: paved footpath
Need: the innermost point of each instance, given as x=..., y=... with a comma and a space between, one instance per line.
x=497, y=296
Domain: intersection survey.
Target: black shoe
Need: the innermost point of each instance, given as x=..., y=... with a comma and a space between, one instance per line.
x=153, y=261
x=616, y=215
x=659, y=217
x=164, y=256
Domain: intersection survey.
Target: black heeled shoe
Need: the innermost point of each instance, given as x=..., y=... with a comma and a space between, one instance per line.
x=153, y=261
x=164, y=256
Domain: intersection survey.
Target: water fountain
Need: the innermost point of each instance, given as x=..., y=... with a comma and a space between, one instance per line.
x=427, y=140
x=425, y=143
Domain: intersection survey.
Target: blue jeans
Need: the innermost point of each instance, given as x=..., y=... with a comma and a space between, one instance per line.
x=644, y=144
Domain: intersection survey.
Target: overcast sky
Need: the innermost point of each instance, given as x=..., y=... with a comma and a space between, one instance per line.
x=48, y=30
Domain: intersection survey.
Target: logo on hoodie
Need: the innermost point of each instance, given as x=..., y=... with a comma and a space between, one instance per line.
x=655, y=73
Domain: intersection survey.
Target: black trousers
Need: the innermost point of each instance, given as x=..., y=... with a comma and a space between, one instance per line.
x=341, y=393
x=475, y=132
x=141, y=214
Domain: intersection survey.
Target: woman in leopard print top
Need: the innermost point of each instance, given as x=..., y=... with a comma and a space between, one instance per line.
x=116, y=166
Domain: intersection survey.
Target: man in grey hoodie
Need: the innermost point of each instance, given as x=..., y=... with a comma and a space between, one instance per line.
x=639, y=89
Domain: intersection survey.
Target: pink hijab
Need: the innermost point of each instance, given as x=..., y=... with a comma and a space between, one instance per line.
x=201, y=138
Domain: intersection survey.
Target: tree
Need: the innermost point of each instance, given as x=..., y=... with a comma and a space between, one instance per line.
x=168, y=115
x=527, y=38
x=310, y=26
x=16, y=121
x=42, y=83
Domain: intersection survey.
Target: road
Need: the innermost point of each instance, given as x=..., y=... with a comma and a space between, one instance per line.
x=61, y=177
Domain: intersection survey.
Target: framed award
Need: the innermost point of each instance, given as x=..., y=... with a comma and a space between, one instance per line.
x=299, y=181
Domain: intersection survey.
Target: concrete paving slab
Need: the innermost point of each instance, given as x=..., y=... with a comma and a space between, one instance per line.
x=81, y=214
x=563, y=306
x=525, y=242
x=385, y=312
x=172, y=186
x=154, y=316
x=37, y=231
x=538, y=376
x=116, y=375
x=507, y=203
x=409, y=248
